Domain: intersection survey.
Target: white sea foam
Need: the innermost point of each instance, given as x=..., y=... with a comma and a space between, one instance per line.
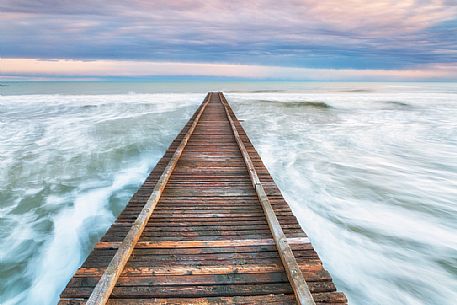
x=89, y=215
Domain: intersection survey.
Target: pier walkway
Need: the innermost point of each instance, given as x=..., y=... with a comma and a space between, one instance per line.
x=208, y=226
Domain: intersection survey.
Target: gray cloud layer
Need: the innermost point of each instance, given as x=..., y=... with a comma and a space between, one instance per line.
x=320, y=34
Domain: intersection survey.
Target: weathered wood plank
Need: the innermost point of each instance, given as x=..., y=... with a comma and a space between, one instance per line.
x=233, y=300
x=210, y=269
x=204, y=244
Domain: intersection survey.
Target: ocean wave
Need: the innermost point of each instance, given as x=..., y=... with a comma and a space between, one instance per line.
x=255, y=91
x=298, y=104
x=398, y=104
x=358, y=91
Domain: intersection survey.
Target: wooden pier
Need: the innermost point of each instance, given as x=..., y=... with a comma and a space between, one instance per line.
x=208, y=226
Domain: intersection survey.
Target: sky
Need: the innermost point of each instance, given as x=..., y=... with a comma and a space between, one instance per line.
x=285, y=40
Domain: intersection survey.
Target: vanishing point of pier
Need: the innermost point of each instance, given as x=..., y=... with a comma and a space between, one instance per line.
x=208, y=226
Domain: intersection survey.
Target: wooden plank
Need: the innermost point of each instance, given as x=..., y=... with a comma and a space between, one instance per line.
x=102, y=291
x=203, y=244
x=202, y=279
x=312, y=272
x=232, y=300
x=185, y=291
x=210, y=267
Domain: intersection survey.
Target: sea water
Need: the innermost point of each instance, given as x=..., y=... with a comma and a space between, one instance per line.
x=370, y=170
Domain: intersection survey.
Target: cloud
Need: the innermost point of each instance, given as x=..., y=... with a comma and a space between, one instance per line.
x=107, y=68
x=378, y=34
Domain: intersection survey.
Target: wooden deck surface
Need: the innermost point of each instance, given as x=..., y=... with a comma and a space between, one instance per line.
x=207, y=240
